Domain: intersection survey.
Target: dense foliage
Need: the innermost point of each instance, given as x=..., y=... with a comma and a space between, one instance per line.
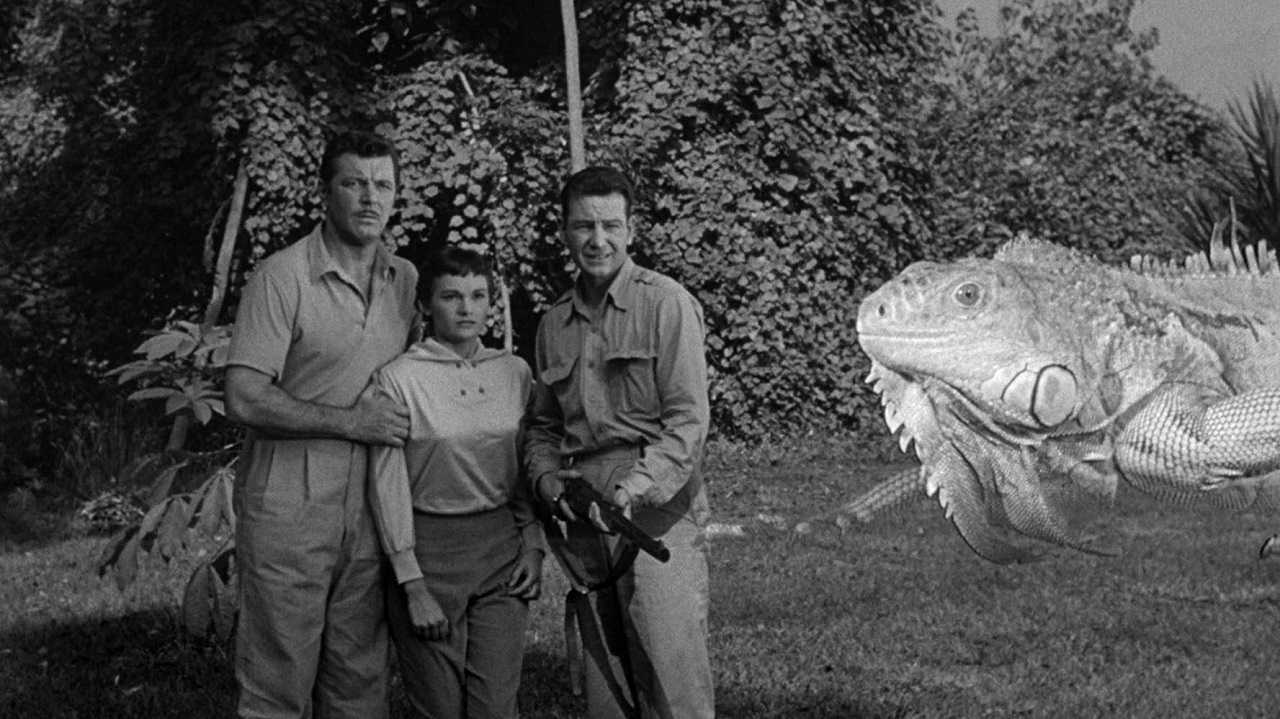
x=791, y=154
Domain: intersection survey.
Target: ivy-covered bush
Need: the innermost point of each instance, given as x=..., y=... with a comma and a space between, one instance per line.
x=776, y=181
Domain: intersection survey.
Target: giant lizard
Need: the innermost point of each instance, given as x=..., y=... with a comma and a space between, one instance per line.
x=1038, y=377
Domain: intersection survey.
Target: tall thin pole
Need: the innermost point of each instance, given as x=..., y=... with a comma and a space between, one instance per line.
x=573, y=86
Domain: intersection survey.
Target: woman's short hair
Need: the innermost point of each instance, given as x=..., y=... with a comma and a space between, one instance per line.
x=445, y=259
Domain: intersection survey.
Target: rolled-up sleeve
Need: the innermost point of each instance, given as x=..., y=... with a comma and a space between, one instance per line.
x=681, y=380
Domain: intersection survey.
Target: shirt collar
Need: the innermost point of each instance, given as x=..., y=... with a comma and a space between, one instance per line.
x=320, y=262
x=432, y=349
x=621, y=292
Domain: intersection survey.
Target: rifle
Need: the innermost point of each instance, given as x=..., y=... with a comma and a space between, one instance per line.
x=579, y=495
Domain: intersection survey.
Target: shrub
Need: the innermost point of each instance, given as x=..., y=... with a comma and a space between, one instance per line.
x=1058, y=126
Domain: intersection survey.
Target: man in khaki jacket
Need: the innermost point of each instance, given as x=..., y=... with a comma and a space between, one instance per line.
x=621, y=400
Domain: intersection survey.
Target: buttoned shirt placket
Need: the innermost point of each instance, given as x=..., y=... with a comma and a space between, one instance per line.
x=379, y=283
x=592, y=387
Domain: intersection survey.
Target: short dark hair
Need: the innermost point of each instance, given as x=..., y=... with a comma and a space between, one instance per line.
x=360, y=144
x=596, y=181
x=445, y=259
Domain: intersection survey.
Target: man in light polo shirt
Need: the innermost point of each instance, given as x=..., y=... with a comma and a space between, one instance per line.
x=315, y=320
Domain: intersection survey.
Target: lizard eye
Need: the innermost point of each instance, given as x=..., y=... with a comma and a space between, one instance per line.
x=968, y=294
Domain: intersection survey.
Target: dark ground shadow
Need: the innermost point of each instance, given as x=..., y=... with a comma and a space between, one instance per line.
x=138, y=665
x=544, y=688
x=30, y=528
x=141, y=665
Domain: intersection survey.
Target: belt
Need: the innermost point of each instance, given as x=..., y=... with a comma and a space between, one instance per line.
x=615, y=452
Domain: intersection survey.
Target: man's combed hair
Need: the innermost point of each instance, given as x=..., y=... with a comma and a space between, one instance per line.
x=596, y=181
x=361, y=144
x=452, y=260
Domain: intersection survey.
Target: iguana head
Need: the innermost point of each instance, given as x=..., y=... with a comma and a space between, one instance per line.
x=980, y=328
x=979, y=363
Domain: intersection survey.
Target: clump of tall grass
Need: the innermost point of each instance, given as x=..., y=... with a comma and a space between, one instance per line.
x=1244, y=188
x=97, y=449
x=91, y=467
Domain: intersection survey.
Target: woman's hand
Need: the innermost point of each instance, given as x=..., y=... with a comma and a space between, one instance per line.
x=425, y=615
x=526, y=578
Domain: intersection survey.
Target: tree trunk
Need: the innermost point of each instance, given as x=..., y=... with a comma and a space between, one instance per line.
x=223, y=269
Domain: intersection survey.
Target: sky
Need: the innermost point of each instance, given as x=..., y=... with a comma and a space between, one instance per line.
x=1211, y=49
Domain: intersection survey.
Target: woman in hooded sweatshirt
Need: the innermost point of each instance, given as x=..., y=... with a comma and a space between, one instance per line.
x=453, y=512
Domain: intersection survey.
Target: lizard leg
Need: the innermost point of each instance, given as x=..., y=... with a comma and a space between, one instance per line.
x=1184, y=444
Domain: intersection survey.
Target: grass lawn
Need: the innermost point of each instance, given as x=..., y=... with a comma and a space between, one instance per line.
x=892, y=619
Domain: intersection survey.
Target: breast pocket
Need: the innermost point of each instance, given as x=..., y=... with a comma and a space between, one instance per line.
x=556, y=374
x=556, y=377
x=631, y=382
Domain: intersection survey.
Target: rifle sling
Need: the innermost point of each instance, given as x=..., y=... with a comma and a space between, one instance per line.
x=578, y=622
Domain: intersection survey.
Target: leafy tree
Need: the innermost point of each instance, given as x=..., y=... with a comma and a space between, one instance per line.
x=103, y=225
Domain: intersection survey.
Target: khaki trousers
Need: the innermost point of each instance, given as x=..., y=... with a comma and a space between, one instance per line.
x=645, y=636
x=311, y=639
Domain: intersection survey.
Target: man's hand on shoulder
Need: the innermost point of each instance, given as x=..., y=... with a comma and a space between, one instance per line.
x=379, y=419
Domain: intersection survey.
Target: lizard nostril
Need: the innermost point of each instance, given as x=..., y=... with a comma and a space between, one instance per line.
x=880, y=310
